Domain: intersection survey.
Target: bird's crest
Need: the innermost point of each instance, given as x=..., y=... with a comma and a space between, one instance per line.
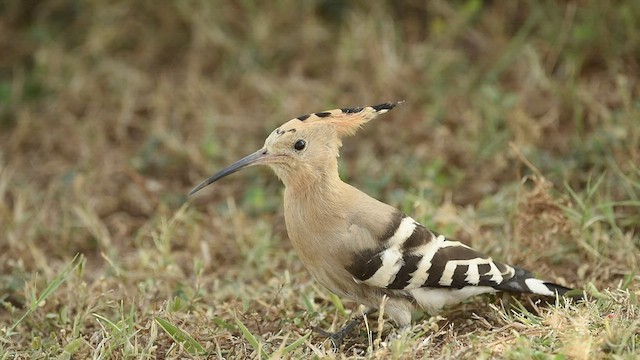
x=346, y=121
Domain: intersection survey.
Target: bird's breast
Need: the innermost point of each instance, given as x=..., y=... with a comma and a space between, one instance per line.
x=321, y=246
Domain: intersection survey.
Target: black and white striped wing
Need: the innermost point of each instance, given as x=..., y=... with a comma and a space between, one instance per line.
x=411, y=257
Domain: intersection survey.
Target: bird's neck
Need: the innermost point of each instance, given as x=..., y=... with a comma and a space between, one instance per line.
x=307, y=178
x=320, y=195
x=319, y=188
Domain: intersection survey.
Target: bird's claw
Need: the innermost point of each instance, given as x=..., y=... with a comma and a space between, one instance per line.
x=338, y=337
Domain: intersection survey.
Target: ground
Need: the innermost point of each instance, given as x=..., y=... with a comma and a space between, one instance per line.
x=519, y=135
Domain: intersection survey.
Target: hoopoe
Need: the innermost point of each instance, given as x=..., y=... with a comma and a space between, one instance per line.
x=361, y=248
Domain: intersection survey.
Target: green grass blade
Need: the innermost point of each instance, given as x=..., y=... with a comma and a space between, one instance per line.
x=251, y=339
x=181, y=337
x=221, y=323
x=627, y=280
x=308, y=304
x=52, y=287
x=294, y=345
x=73, y=346
x=111, y=324
x=337, y=303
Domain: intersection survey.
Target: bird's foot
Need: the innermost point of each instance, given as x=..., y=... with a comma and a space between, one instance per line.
x=338, y=337
x=398, y=334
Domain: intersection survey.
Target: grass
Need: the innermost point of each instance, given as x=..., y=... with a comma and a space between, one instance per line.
x=519, y=136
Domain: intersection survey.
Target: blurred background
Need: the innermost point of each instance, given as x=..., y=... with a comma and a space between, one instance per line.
x=521, y=120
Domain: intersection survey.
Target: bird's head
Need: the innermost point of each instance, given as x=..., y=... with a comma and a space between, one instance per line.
x=305, y=148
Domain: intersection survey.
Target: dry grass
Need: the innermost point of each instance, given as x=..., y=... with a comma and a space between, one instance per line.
x=111, y=111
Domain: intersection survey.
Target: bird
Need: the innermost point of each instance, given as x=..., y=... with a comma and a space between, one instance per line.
x=359, y=247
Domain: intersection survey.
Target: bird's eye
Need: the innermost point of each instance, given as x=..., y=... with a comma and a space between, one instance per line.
x=300, y=145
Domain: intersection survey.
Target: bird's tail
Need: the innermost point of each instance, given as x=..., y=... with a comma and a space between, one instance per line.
x=524, y=281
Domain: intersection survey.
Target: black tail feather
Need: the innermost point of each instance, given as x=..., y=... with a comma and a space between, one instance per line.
x=523, y=281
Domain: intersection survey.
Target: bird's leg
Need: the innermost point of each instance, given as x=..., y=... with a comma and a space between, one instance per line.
x=338, y=336
x=397, y=334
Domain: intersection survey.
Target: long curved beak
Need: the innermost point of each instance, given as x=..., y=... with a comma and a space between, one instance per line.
x=256, y=158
